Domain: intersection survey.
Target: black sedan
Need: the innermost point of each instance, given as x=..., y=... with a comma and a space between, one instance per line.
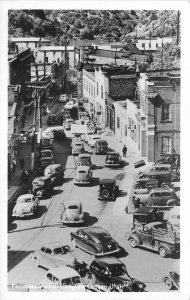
x=94, y=240
x=113, y=159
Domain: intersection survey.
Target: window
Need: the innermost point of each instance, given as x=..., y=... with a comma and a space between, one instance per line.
x=125, y=130
x=36, y=45
x=143, y=45
x=58, y=60
x=118, y=122
x=94, y=91
x=97, y=88
x=156, y=45
x=46, y=59
x=91, y=89
x=54, y=53
x=102, y=92
x=149, y=45
x=166, y=144
x=166, y=112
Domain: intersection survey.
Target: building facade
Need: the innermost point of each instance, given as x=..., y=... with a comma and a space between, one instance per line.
x=152, y=44
x=33, y=43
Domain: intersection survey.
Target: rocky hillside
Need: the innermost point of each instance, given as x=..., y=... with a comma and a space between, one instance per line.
x=88, y=24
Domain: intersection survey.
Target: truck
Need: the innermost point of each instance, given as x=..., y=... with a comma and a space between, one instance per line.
x=156, y=236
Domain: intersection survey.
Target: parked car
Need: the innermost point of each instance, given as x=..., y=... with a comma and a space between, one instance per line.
x=144, y=215
x=94, y=240
x=108, y=189
x=52, y=119
x=67, y=124
x=84, y=159
x=77, y=147
x=62, y=279
x=26, y=205
x=101, y=147
x=48, y=133
x=113, y=159
x=54, y=254
x=46, y=157
x=83, y=175
x=154, y=178
x=66, y=113
x=87, y=136
x=93, y=139
x=172, y=280
x=46, y=143
x=157, y=237
x=109, y=274
x=55, y=172
x=172, y=159
x=156, y=197
x=59, y=135
x=42, y=186
x=72, y=213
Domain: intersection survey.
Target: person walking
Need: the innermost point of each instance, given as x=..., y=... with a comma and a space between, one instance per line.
x=21, y=160
x=14, y=164
x=124, y=150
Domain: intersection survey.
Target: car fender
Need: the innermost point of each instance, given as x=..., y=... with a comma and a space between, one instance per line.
x=135, y=237
x=166, y=247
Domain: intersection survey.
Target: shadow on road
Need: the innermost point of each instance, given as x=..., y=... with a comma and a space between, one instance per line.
x=57, y=192
x=121, y=253
x=120, y=176
x=11, y=225
x=15, y=257
x=97, y=167
x=95, y=181
x=122, y=194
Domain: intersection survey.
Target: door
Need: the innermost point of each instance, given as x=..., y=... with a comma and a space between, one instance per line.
x=146, y=238
x=143, y=143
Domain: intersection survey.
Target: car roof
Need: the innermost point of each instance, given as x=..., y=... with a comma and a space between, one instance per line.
x=53, y=244
x=26, y=196
x=108, y=260
x=162, y=190
x=63, y=272
x=53, y=166
x=107, y=181
x=46, y=150
x=162, y=166
x=152, y=224
x=144, y=210
x=41, y=178
x=101, y=140
x=84, y=155
x=94, y=230
x=85, y=168
x=52, y=115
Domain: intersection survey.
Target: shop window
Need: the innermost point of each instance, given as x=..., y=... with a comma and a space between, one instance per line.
x=149, y=45
x=118, y=122
x=143, y=45
x=166, y=112
x=46, y=59
x=166, y=144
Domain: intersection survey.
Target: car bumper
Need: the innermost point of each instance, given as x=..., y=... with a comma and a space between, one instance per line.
x=82, y=182
x=21, y=215
x=112, y=165
x=108, y=252
x=73, y=222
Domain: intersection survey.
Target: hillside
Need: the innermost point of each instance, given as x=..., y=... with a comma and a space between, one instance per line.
x=92, y=23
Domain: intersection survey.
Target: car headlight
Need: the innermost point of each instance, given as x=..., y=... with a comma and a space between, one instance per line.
x=141, y=286
x=39, y=193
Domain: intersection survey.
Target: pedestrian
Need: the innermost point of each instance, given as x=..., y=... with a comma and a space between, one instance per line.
x=22, y=162
x=14, y=164
x=124, y=151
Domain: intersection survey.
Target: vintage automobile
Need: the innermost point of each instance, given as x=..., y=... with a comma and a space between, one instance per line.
x=67, y=124
x=52, y=119
x=83, y=175
x=72, y=213
x=84, y=136
x=26, y=205
x=172, y=159
x=109, y=274
x=62, y=279
x=54, y=254
x=59, y=134
x=55, y=172
x=108, y=189
x=46, y=157
x=144, y=215
x=77, y=147
x=156, y=197
x=101, y=147
x=172, y=280
x=88, y=136
x=92, y=139
x=66, y=114
x=95, y=240
x=113, y=159
x=155, y=236
x=84, y=159
x=154, y=178
x=42, y=186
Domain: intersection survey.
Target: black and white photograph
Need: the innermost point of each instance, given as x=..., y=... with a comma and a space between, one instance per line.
x=93, y=149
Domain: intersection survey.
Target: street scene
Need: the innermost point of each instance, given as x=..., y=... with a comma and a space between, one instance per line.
x=94, y=153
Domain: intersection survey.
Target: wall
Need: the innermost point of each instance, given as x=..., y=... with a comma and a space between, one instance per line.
x=155, y=43
x=122, y=86
x=89, y=90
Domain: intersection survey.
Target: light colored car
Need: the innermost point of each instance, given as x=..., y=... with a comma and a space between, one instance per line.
x=62, y=279
x=46, y=158
x=67, y=124
x=52, y=255
x=26, y=205
x=85, y=136
x=69, y=105
x=161, y=168
x=93, y=139
x=72, y=213
x=77, y=147
x=83, y=175
x=84, y=159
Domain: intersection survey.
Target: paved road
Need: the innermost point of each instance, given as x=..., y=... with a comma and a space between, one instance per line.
x=25, y=236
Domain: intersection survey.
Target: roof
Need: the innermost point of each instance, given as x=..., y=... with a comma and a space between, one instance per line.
x=53, y=166
x=94, y=231
x=107, y=181
x=73, y=202
x=53, y=244
x=28, y=39
x=108, y=260
x=63, y=272
x=162, y=190
x=56, y=48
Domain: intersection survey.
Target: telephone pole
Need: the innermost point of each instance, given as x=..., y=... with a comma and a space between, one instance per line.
x=178, y=27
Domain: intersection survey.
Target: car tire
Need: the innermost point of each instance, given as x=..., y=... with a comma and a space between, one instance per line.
x=171, y=202
x=133, y=243
x=90, y=278
x=105, y=193
x=168, y=283
x=165, y=185
x=162, y=252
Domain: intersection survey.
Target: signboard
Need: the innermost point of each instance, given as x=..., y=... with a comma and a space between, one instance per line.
x=75, y=128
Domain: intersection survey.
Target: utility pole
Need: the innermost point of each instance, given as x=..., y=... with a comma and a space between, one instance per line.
x=65, y=78
x=178, y=27
x=34, y=122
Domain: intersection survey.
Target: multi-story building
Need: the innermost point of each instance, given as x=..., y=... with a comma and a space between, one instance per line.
x=159, y=103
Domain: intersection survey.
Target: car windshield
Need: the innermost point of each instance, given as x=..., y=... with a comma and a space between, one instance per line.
x=61, y=250
x=112, y=156
x=103, y=236
x=24, y=200
x=82, y=172
x=160, y=169
x=76, y=280
x=96, y=138
x=117, y=270
x=73, y=207
x=78, y=145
